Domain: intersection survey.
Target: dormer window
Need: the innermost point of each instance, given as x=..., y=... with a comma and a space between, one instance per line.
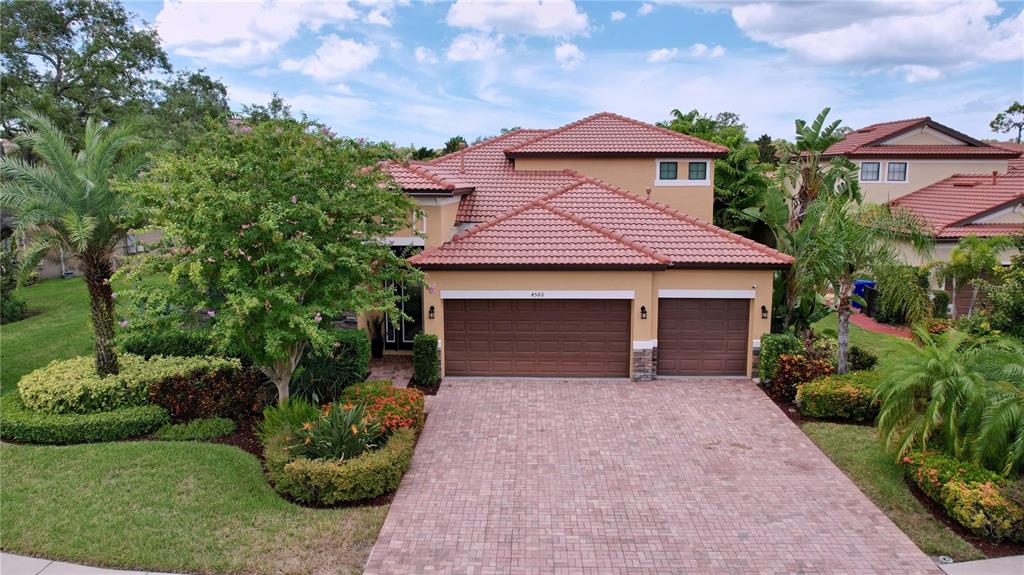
x=682, y=173
x=897, y=172
x=870, y=171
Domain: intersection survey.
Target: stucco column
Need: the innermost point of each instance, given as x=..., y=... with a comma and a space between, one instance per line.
x=644, y=347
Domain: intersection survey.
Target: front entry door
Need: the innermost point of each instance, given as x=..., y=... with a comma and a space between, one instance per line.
x=402, y=335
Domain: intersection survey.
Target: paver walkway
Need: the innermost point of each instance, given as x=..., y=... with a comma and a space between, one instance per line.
x=394, y=368
x=675, y=476
x=868, y=323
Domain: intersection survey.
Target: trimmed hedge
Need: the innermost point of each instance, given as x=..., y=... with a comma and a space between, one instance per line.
x=149, y=341
x=791, y=371
x=325, y=482
x=980, y=500
x=230, y=392
x=426, y=363
x=848, y=396
x=196, y=430
x=72, y=385
x=18, y=423
x=321, y=377
x=772, y=346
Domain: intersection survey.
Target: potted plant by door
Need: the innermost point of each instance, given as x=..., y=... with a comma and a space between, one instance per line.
x=375, y=324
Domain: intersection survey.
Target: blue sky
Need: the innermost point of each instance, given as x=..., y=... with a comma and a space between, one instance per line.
x=417, y=73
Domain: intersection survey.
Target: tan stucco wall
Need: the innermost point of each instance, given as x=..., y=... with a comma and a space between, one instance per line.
x=440, y=221
x=926, y=137
x=921, y=173
x=645, y=284
x=1014, y=215
x=637, y=175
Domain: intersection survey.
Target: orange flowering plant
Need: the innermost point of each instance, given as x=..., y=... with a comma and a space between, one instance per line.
x=339, y=433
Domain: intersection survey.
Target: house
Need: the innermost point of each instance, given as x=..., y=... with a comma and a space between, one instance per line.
x=983, y=205
x=897, y=158
x=582, y=251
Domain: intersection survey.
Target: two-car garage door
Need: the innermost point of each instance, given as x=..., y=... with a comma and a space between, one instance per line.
x=537, y=337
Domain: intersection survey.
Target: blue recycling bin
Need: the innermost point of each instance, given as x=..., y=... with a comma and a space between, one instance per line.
x=858, y=289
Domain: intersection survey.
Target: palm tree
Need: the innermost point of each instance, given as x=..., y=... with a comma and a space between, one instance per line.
x=968, y=261
x=69, y=201
x=935, y=392
x=999, y=441
x=849, y=240
x=807, y=175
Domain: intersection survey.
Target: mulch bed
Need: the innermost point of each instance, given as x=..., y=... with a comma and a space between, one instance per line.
x=426, y=389
x=243, y=438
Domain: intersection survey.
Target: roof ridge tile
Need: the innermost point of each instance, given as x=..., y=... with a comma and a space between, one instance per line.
x=478, y=145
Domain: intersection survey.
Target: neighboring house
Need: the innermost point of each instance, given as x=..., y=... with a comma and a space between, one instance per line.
x=583, y=251
x=897, y=158
x=983, y=205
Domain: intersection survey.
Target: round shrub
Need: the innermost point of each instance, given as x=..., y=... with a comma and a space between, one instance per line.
x=793, y=370
x=426, y=363
x=22, y=424
x=72, y=385
x=848, y=396
x=226, y=392
x=772, y=346
x=861, y=359
x=196, y=430
x=329, y=482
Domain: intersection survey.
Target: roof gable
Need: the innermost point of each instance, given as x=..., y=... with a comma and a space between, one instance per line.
x=607, y=134
x=590, y=223
x=949, y=206
x=883, y=140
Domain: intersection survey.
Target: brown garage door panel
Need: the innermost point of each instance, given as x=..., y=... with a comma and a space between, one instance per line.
x=703, y=336
x=549, y=338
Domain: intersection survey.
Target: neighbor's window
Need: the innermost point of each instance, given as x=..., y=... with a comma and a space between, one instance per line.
x=897, y=172
x=869, y=171
x=668, y=170
x=698, y=171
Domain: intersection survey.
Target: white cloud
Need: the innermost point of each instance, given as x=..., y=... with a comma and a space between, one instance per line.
x=473, y=46
x=343, y=89
x=425, y=55
x=662, y=54
x=645, y=9
x=569, y=56
x=240, y=33
x=699, y=50
x=377, y=16
x=617, y=16
x=536, y=18
x=335, y=58
x=920, y=40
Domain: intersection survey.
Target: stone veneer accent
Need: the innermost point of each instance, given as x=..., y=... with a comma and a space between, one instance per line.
x=645, y=364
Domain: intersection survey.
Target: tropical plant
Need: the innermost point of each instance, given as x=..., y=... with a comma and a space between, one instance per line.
x=284, y=418
x=72, y=201
x=341, y=432
x=969, y=261
x=1006, y=293
x=272, y=229
x=999, y=441
x=853, y=240
x=933, y=397
x=804, y=170
x=12, y=308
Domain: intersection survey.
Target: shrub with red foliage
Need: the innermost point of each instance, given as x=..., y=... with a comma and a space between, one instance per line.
x=232, y=393
x=793, y=370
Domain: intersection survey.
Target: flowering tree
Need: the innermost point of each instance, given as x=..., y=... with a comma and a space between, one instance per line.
x=273, y=229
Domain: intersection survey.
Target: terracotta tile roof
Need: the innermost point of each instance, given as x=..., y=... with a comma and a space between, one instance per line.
x=981, y=230
x=1014, y=164
x=864, y=143
x=949, y=205
x=590, y=223
x=611, y=134
x=417, y=178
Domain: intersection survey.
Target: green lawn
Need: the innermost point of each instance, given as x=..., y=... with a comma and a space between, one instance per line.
x=166, y=506
x=59, y=330
x=889, y=348
x=855, y=450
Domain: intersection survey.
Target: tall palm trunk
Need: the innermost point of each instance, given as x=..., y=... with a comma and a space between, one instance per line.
x=844, y=310
x=98, y=270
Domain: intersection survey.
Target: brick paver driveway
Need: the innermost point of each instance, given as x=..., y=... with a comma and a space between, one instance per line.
x=676, y=476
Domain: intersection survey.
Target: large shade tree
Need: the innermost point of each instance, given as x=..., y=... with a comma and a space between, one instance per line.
x=849, y=240
x=274, y=229
x=70, y=200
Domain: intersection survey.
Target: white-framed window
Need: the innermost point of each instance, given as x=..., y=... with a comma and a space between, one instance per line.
x=419, y=222
x=682, y=173
x=896, y=172
x=870, y=171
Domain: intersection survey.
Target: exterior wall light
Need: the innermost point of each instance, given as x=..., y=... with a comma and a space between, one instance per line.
x=430, y=312
x=764, y=312
x=643, y=312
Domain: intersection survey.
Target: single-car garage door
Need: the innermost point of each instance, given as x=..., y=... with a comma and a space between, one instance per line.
x=537, y=337
x=703, y=336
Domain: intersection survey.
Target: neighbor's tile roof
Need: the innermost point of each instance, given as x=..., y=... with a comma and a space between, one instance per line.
x=591, y=223
x=981, y=230
x=413, y=178
x=1015, y=164
x=864, y=143
x=949, y=205
x=610, y=134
